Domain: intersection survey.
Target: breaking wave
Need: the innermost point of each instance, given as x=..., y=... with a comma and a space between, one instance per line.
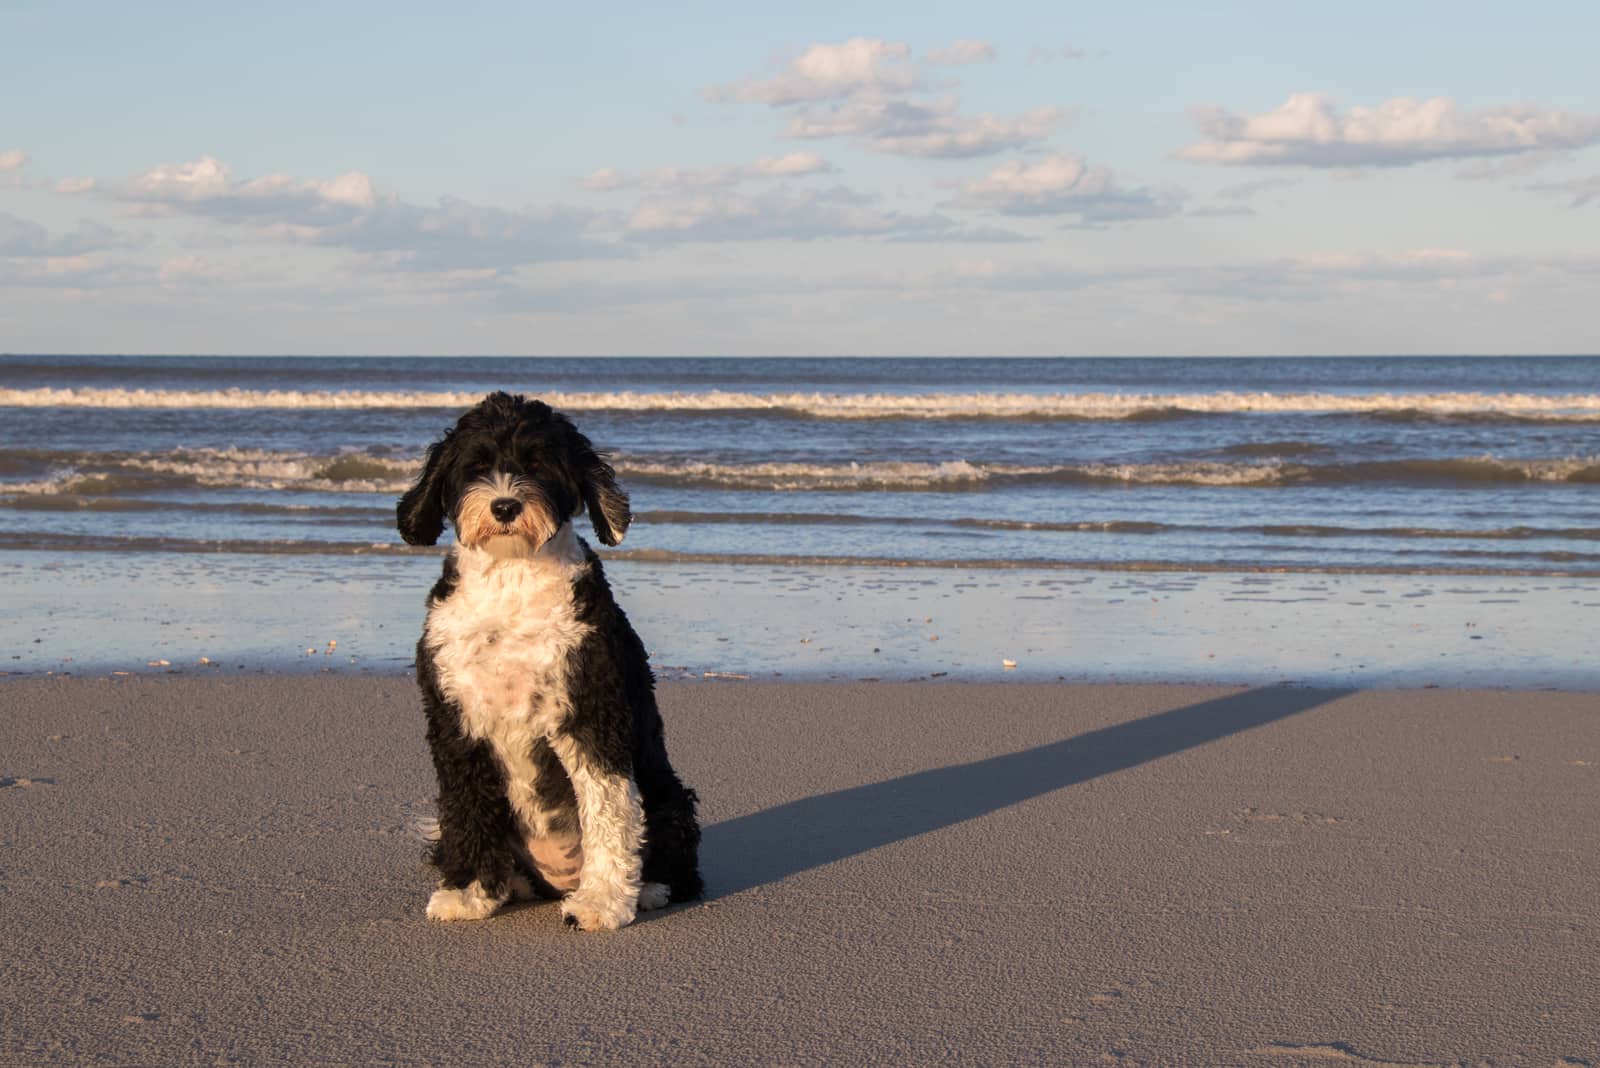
x=110, y=474
x=117, y=475
x=993, y=406
x=961, y=475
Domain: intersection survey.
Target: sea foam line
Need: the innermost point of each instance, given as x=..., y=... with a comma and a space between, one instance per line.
x=1017, y=406
x=131, y=474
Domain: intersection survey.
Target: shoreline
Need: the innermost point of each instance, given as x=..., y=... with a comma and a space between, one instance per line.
x=229, y=614
x=203, y=871
x=270, y=548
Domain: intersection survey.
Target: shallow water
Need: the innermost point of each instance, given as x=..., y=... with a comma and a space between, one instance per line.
x=227, y=613
x=1395, y=521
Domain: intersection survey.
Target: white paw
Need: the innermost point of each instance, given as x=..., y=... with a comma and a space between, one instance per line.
x=592, y=911
x=468, y=903
x=654, y=896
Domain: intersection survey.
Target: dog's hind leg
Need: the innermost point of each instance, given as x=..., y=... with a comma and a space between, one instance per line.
x=671, y=832
x=612, y=822
x=672, y=845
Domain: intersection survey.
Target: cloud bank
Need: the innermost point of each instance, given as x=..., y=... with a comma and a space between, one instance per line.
x=349, y=212
x=1307, y=130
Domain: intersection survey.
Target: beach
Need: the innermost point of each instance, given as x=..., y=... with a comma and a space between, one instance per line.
x=204, y=870
x=1042, y=712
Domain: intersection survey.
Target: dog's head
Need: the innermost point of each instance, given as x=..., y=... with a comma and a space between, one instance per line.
x=511, y=468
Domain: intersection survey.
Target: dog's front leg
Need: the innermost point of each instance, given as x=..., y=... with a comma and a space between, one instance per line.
x=612, y=822
x=477, y=869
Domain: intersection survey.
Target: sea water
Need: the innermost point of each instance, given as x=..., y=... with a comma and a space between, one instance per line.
x=1483, y=470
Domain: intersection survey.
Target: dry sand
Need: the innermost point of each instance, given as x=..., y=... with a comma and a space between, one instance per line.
x=210, y=871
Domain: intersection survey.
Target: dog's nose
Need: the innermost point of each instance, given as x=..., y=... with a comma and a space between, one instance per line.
x=505, y=509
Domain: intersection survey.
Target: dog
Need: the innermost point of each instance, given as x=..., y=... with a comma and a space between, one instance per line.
x=549, y=749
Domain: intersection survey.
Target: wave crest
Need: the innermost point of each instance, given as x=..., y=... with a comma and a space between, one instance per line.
x=958, y=406
x=125, y=474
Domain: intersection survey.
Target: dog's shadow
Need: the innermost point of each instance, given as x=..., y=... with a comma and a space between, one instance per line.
x=773, y=844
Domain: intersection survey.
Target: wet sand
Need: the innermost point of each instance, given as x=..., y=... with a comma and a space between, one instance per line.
x=218, y=871
x=233, y=613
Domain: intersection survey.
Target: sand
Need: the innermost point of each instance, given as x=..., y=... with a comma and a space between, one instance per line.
x=218, y=871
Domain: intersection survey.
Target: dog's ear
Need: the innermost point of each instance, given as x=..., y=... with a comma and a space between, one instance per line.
x=419, y=515
x=608, y=507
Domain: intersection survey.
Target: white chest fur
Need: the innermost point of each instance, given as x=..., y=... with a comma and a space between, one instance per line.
x=504, y=640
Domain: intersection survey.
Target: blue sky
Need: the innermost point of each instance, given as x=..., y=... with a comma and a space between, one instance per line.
x=819, y=179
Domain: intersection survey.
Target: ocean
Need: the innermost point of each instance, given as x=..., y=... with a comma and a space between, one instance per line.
x=1398, y=521
x=1409, y=465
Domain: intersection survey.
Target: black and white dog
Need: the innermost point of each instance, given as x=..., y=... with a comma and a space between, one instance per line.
x=552, y=766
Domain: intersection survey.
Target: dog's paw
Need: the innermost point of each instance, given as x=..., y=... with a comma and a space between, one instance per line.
x=470, y=902
x=654, y=896
x=591, y=911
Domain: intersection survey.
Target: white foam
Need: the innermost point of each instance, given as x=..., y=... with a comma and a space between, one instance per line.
x=850, y=405
x=262, y=469
x=953, y=474
x=232, y=468
x=813, y=476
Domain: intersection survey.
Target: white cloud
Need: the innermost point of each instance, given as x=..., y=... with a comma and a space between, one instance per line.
x=824, y=71
x=868, y=91
x=963, y=52
x=1065, y=185
x=1308, y=131
x=791, y=165
x=349, y=212
x=927, y=128
x=207, y=187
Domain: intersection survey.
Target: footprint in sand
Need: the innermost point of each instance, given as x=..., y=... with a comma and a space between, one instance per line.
x=121, y=881
x=18, y=782
x=1336, y=1052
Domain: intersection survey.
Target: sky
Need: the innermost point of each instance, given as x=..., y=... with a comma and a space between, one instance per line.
x=821, y=179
